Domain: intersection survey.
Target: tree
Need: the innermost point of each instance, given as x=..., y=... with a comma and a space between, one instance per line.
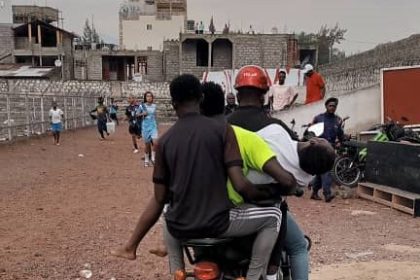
x=90, y=35
x=324, y=41
x=87, y=33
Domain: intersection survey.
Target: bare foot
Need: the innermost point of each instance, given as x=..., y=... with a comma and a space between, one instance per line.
x=160, y=252
x=124, y=253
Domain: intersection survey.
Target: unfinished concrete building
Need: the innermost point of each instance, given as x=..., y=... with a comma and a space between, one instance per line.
x=197, y=53
x=36, y=40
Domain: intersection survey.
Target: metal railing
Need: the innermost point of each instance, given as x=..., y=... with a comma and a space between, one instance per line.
x=25, y=115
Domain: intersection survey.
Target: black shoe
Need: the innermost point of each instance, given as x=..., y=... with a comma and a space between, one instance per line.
x=329, y=198
x=315, y=196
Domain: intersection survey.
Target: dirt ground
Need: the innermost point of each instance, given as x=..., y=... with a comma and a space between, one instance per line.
x=62, y=208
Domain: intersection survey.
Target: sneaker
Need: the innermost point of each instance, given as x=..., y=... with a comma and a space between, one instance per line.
x=272, y=277
x=135, y=151
x=146, y=164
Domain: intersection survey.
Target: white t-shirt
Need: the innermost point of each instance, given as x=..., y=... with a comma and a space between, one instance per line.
x=56, y=115
x=282, y=96
x=286, y=150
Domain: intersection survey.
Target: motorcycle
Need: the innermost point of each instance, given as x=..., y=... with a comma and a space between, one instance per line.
x=228, y=258
x=349, y=167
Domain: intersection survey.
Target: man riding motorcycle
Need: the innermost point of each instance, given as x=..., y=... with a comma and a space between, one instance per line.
x=252, y=84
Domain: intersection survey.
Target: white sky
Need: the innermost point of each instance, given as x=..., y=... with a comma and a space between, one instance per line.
x=369, y=22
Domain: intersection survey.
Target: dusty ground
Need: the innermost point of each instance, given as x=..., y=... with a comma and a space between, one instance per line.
x=61, y=213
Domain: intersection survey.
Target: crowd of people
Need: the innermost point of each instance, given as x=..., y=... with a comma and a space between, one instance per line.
x=218, y=159
x=208, y=164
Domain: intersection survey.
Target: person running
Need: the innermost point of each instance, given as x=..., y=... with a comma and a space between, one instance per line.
x=149, y=128
x=134, y=122
x=196, y=191
x=113, y=109
x=56, y=118
x=102, y=117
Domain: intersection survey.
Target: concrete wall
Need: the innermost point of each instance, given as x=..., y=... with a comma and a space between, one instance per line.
x=267, y=50
x=171, y=59
x=6, y=43
x=363, y=70
x=362, y=106
x=135, y=35
x=222, y=55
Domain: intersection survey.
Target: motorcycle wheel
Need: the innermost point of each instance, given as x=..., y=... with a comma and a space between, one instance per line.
x=343, y=174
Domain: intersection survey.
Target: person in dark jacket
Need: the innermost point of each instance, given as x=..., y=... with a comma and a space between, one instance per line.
x=333, y=133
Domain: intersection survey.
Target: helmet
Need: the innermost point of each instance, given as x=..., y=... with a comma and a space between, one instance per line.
x=251, y=76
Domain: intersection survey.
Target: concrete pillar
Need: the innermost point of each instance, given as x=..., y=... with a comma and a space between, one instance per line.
x=39, y=35
x=30, y=32
x=209, y=57
x=57, y=35
x=40, y=44
x=180, y=57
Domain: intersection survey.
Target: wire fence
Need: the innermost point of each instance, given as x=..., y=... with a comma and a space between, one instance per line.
x=25, y=115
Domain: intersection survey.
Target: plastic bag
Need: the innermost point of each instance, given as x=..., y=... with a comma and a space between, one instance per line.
x=110, y=126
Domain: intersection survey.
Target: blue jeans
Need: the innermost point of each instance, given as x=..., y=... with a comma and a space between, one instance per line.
x=323, y=181
x=296, y=247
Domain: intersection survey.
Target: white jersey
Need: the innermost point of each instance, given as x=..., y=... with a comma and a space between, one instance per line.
x=286, y=150
x=56, y=115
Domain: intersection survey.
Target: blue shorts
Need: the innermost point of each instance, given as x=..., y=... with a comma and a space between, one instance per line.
x=56, y=127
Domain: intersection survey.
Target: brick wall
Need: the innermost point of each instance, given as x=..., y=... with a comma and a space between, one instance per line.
x=171, y=59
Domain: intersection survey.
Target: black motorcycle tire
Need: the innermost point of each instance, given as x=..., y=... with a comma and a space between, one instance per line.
x=345, y=176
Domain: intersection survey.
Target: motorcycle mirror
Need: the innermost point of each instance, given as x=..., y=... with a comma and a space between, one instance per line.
x=346, y=118
x=317, y=129
x=293, y=122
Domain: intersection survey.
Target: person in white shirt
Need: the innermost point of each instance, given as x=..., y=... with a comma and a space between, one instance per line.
x=282, y=96
x=56, y=118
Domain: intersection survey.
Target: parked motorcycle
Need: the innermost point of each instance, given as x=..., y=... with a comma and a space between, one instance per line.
x=350, y=164
x=228, y=258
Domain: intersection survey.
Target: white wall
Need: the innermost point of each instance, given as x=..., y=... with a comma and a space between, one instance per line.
x=6, y=11
x=137, y=37
x=362, y=106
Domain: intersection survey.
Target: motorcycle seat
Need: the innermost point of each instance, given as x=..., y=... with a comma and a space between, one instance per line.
x=205, y=242
x=355, y=144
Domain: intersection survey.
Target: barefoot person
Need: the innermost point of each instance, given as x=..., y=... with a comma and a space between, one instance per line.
x=56, y=117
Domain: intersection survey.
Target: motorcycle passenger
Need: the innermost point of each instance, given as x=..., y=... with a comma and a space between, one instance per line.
x=252, y=84
x=193, y=160
x=332, y=132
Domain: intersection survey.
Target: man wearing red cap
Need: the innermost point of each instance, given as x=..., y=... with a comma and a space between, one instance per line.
x=315, y=85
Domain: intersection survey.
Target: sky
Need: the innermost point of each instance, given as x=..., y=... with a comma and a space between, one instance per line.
x=369, y=22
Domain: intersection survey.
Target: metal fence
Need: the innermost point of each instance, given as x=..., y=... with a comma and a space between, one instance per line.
x=24, y=115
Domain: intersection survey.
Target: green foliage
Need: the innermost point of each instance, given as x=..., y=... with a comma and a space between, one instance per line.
x=324, y=41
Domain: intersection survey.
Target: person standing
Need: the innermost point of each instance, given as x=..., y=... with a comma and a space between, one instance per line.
x=315, y=85
x=134, y=122
x=102, y=117
x=282, y=96
x=56, y=117
x=149, y=128
x=332, y=132
x=231, y=104
x=113, y=109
